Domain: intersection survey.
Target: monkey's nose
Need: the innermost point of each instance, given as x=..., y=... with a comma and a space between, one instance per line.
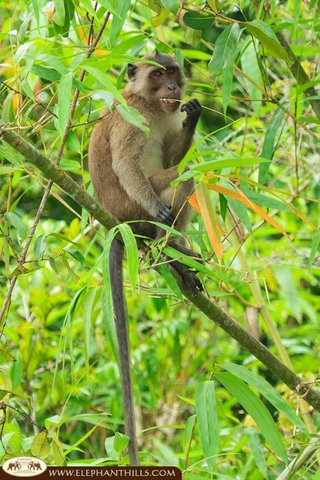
x=171, y=87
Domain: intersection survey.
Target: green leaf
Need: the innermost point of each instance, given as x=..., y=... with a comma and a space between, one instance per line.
x=206, y=409
x=188, y=432
x=120, y=442
x=258, y=411
x=39, y=247
x=36, y=10
x=264, y=200
x=109, y=446
x=99, y=419
x=59, y=12
x=170, y=280
x=64, y=98
x=226, y=163
x=171, y=5
x=271, y=140
x=257, y=450
x=105, y=81
x=118, y=20
x=227, y=86
x=16, y=372
x=131, y=248
x=315, y=242
x=107, y=304
x=44, y=72
x=198, y=21
x=240, y=210
x=80, y=440
x=87, y=315
x=40, y=446
x=267, y=390
x=267, y=37
x=224, y=50
x=133, y=116
x=64, y=13
x=162, y=13
x=250, y=66
x=15, y=221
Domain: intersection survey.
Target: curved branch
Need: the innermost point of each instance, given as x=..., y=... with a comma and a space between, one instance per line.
x=221, y=318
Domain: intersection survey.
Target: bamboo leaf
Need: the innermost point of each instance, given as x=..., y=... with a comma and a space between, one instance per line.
x=210, y=219
x=226, y=163
x=225, y=49
x=250, y=66
x=206, y=409
x=242, y=198
x=107, y=303
x=258, y=411
x=132, y=253
x=265, y=389
x=267, y=37
x=271, y=140
x=87, y=315
x=64, y=98
x=118, y=20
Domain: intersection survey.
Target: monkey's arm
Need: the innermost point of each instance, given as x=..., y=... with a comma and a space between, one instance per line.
x=179, y=143
x=127, y=146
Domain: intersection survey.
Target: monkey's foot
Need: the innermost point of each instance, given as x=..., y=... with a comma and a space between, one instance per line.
x=189, y=278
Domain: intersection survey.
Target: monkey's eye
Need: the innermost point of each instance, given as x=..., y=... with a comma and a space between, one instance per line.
x=157, y=73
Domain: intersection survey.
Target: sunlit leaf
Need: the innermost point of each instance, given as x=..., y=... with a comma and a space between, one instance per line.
x=224, y=50
x=267, y=37
x=210, y=219
x=64, y=98
x=206, y=409
x=258, y=411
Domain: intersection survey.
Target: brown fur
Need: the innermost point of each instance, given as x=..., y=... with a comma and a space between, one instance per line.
x=121, y=156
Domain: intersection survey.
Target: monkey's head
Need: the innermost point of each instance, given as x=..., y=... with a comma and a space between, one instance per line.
x=161, y=85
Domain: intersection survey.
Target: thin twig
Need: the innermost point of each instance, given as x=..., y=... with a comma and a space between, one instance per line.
x=6, y=304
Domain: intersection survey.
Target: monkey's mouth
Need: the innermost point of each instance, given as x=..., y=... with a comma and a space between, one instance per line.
x=170, y=100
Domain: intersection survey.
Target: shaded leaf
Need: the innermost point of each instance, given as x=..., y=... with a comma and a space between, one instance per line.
x=271, y=140
x=198, y=21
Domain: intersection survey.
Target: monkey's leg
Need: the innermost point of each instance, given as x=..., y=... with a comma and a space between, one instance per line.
x=177, y=197
x=116, y=279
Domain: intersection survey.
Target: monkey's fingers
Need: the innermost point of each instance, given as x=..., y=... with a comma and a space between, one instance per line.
x=192, y=108
x=165, y=216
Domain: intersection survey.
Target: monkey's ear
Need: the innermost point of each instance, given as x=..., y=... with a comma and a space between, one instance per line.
x=132, y=70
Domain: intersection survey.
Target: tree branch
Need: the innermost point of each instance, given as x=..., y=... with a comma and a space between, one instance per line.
x=221, y=318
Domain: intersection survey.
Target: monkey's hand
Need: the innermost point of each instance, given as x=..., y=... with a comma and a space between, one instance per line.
x=165, y=216
x=193, y=110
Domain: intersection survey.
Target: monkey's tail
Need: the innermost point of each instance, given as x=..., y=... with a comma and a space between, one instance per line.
x=118, y=299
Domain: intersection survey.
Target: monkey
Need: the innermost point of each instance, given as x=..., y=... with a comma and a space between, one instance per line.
x=131, y=175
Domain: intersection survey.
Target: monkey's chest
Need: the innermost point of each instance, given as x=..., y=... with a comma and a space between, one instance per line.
x=151, y=160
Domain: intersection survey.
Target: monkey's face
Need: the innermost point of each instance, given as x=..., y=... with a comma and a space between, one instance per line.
x=166, y=87
x=161, y=85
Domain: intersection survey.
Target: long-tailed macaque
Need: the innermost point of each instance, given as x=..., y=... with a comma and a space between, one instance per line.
x=131, y=175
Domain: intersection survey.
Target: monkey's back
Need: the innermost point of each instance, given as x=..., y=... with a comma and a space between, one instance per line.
x=104, y=180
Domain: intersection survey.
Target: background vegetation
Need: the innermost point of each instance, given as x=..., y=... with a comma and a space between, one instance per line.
x=203, y=402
